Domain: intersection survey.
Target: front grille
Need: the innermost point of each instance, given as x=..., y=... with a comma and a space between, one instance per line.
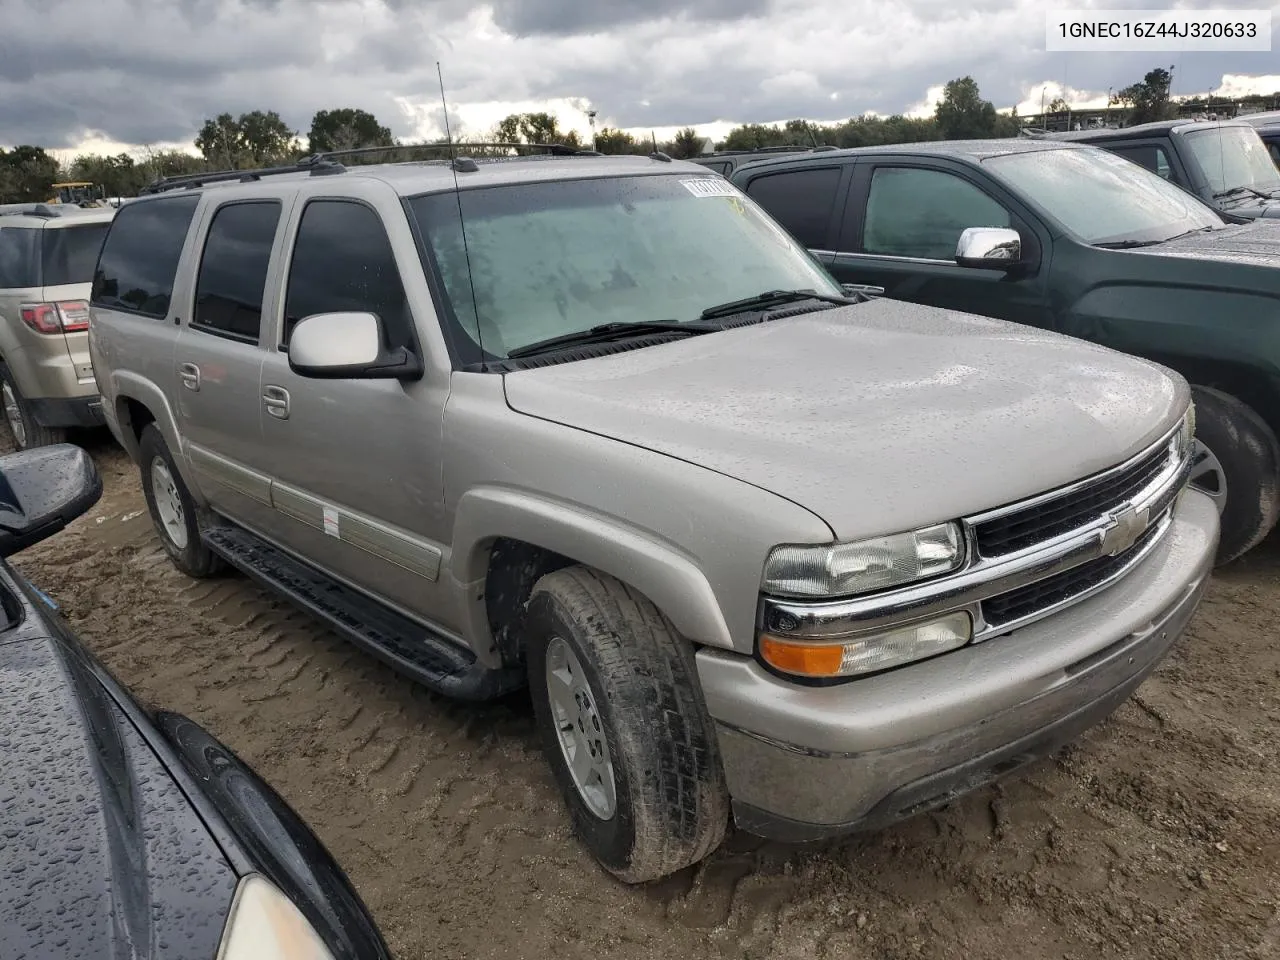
x=1024, y=601
x=1051, y=518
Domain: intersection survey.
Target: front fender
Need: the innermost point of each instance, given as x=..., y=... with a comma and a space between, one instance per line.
x=660, y=570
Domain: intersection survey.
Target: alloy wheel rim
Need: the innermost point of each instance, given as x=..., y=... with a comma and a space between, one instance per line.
x=13, y=414
x=173, y=519
x=1208, y=476
x=580, y=730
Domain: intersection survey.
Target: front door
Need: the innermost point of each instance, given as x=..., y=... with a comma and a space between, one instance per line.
x=901, y=225
x=218, y=359
x=355, y=464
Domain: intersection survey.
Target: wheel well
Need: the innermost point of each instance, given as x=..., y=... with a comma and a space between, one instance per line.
x=1247, y=384
x=136, y=416
x=514, y=568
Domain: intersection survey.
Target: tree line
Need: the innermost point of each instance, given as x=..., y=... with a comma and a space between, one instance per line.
x=262, y=138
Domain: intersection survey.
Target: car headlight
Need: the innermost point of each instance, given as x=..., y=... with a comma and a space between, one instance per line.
x=862, y=566
x=265, y=925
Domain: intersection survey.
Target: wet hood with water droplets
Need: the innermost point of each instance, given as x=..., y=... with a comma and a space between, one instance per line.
x=879, y=417
x=101, y=855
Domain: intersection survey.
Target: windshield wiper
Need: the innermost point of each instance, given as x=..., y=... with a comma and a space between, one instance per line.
x=770, y=298
x=605, y=332
x=1226, y=193
x=1130, y=244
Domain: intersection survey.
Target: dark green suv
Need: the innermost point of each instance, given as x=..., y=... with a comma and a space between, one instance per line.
x=1075, y=239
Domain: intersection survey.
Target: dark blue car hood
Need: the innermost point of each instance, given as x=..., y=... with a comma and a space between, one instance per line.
x=101, y=854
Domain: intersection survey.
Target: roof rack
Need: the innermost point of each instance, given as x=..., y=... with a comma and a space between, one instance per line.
x=326, y=163
x=555, y=149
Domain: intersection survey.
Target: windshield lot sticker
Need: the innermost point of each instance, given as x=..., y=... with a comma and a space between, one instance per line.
x=709, y=187
x=331, y=522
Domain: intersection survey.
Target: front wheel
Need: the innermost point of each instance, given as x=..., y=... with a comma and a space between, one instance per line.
x=173, y=511
x=624, y=726
x=1236, y=463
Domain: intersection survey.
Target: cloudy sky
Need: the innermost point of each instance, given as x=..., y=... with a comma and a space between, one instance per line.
x=102, y=74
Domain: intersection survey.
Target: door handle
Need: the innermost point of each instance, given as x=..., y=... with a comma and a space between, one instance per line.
x=190, y=375
x=276, y=400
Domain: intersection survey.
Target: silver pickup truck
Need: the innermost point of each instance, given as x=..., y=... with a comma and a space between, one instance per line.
x=755, y=542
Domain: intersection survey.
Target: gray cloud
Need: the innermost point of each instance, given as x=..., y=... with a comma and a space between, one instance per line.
x=147, y=71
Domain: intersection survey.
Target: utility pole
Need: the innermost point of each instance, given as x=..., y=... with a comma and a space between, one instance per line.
x=591, y=119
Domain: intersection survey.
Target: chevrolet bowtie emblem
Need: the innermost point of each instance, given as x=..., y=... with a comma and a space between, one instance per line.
x=1126, y=527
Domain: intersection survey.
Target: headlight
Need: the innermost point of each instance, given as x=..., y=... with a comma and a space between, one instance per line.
x=845, y=569
x=265, y=925
x=867, y=654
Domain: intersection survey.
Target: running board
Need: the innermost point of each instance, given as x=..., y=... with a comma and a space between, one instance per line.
x=409, y=647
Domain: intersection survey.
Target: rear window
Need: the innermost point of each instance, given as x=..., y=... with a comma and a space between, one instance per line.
x=70, y=253
x=19, y=266
x=140, y=257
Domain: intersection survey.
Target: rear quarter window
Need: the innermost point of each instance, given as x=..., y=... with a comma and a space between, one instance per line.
x=69, y=254
x=19, y=260
x=140, y=257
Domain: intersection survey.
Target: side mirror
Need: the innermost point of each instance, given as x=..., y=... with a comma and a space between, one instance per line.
x=41, y=491
x=347, y=346
x=989, y=248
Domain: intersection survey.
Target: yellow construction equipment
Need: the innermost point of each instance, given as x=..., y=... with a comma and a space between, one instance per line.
x=83, y=193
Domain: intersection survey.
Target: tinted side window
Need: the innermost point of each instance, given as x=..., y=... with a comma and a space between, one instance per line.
x=140, y=257
x=19, y=263
x=1150, y=156
x=70, y=253
x=1274, y=147
x=921, y=213
x=800, y=200
x=233, y=269
x=343, y=262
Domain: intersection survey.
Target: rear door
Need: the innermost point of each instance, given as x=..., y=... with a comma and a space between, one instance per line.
x=902, y=220
x=218, y=357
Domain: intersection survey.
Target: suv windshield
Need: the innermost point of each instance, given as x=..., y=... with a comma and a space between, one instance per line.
x=1102, y=197
x=549, y=259
x=1233, y=157
x=69, y=254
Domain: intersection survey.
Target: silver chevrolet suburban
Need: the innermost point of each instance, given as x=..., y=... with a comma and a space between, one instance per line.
x=596, y=425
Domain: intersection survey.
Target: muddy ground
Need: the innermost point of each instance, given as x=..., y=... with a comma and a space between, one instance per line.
x=1156, y=836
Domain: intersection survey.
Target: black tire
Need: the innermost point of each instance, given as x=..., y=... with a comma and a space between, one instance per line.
x=33, y=434
x=1247, y=487
x=191, y=557
x=672, y=807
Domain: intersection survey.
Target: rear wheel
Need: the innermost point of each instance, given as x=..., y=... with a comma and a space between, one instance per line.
x=623, y=725
x=1236, y=463
x=26, y=431
x=173, y=511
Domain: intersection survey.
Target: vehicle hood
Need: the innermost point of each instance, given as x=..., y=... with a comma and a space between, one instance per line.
x=102, y=855
x=1255, y=244
x=878, y=417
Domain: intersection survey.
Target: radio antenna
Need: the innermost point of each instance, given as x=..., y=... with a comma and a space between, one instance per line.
x=462, y=223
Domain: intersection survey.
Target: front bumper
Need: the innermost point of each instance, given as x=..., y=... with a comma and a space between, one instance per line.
x=806, y=762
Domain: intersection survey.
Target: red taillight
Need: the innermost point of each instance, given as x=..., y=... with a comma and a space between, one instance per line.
x=64, y=316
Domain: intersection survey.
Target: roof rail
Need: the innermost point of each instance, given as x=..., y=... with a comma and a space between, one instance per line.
x=326, y=162
x=192, y=180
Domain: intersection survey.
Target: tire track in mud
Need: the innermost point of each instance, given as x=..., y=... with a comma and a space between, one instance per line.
x=1153, y=837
